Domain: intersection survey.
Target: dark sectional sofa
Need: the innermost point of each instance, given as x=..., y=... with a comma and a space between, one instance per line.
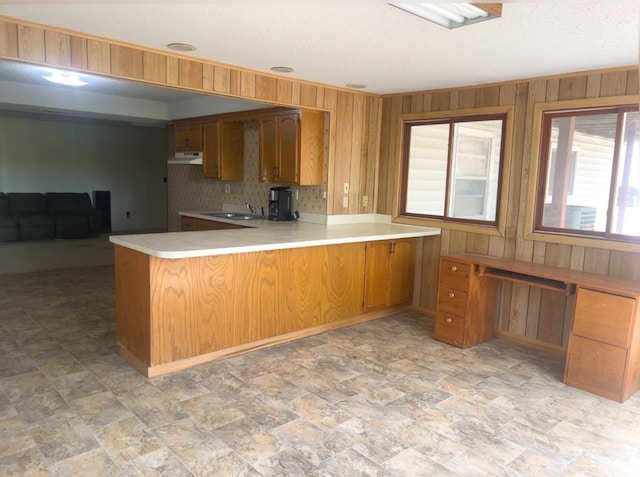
x=36, y=216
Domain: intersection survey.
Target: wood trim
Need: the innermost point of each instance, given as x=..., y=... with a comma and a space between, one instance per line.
x=166, y=368
x=552, y=349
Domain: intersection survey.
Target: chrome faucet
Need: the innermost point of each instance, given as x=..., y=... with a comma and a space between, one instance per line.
x=261, y=210
x=251, y=208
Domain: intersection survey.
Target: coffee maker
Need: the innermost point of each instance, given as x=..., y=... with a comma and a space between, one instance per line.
x=280, y=204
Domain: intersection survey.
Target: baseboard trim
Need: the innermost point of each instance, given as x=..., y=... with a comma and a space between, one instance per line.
x=167, y=368
x=555, y=350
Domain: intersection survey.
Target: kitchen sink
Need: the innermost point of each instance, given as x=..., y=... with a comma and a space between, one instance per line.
x=230, y=215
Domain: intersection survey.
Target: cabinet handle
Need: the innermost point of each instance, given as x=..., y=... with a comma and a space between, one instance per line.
x=451, y=295
x=449, y=320
x=454, y=268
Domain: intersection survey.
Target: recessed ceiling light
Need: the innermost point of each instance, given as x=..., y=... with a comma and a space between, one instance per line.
x=282, y=69
x=66, y=78
x=181, y=47
x=356, y=85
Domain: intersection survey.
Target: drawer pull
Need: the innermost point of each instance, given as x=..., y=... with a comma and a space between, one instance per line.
x=451, y=295
x=449, y=320
x=454, y=268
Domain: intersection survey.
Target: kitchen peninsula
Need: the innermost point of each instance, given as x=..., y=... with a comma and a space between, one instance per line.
x=186, y=298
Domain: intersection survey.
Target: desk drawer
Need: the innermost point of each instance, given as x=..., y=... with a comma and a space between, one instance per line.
x=451, y=300
x=595, y=367
x=449, y=329
x=454, y=274
x=603, y=317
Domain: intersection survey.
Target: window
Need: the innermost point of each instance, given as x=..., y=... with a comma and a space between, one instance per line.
x=590, y=162
x=452, y=168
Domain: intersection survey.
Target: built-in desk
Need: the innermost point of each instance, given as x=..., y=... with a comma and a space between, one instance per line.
x=603, y=355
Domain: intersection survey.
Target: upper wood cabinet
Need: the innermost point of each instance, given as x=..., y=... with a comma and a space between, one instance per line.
x=292, y=147
x=188, y=137
x=389, y=273
x=223, y=150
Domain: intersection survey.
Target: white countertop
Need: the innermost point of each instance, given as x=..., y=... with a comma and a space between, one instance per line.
x=262, y=235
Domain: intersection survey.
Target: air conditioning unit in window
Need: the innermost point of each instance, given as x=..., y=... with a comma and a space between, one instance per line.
x=578, y=217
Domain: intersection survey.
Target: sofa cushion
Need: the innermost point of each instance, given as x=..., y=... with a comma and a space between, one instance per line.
x=27, y=203
x=64, y=203
x=9, y=231
x=4, y=206
x=36, y=227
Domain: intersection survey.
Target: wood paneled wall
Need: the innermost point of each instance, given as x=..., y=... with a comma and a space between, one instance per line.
x=354, y=116
x=523, y=311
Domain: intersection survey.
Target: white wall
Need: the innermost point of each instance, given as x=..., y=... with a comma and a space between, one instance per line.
x=44, y=155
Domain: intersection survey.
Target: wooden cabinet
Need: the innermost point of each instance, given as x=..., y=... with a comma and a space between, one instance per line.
x=292, y=147
x=389, y=273
x=188, y=137
x=465, y=306
x=223, y=150
x=602, y=356
x=190, y=224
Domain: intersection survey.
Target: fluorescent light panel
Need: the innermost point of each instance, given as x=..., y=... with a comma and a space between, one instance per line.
x=66, y=78
x=452, y=15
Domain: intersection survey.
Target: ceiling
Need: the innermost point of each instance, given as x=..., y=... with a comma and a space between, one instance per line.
x=338, y=42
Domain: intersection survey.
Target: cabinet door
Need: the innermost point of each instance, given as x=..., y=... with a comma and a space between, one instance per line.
x=188, y=137
x=231, y=160
x=211, y=159
x=268, y=148
x=376, y=290
x=389, y=273
x=402, y=264
x=288, y=148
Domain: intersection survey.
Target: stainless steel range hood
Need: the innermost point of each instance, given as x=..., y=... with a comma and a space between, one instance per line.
x=191, y=158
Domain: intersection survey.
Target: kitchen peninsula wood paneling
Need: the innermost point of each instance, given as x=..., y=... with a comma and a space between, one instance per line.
x=353, y=124
x=174, y=313
x=523, y=311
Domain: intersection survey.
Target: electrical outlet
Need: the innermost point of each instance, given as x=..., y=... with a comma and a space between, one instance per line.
x=346, y=188
x=296, y=194
x=365, y=201
x=345, y=201
x=227, y=188
x=324, y=194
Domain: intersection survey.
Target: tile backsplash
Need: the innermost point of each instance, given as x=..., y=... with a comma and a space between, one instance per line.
x=188, y=190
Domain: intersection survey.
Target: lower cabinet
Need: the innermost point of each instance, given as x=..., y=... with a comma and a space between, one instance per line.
x=190, y=224
x=464, y=310
x=389, y=273
x=600, y=357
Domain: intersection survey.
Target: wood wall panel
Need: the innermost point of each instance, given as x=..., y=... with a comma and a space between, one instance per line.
x=522, y=310
x=99, y=56
x=8, y=39
x=57, y=48
x=79, y=53
x=154, y=67
x=31, y=43
x=126, y=61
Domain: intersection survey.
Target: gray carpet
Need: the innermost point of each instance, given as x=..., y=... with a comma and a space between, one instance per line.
x=25, y=257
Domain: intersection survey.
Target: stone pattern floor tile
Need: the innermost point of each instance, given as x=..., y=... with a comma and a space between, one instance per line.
x=381, y=398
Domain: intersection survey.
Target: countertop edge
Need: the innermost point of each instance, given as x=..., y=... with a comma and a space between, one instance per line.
x=175, y=245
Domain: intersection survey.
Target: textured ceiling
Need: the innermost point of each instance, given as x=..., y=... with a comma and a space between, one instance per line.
x=364, y=41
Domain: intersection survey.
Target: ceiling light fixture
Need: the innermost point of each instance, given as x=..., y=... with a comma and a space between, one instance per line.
x=356, y=85
x=66, y=78
x=453, y=15
x=181, y=47
x=282, y=69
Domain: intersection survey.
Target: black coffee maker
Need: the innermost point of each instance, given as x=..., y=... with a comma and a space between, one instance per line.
x=280, y=204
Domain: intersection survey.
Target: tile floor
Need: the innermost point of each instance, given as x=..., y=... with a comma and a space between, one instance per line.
x=377, y=399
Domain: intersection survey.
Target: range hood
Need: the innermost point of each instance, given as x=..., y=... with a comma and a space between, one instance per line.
x=186, y=158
